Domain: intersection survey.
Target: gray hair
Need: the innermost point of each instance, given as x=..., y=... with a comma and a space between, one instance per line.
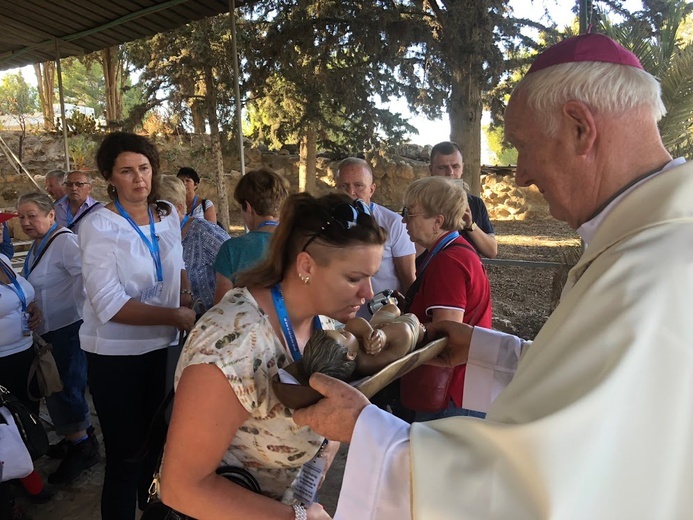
x=59, y=174
x=43, y=201
x=172, y=189
x=355, y=161
x=439, y=196
x=604, y=87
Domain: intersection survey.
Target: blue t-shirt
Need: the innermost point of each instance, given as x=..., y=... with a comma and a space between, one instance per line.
x=240, y=253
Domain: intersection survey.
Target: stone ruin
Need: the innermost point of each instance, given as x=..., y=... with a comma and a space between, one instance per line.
x=394, y=169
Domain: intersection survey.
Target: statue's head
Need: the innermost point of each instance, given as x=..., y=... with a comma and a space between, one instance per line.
x=330, y=352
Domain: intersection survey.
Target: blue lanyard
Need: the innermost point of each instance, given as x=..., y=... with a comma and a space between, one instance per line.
x=194, y=205
x=287, y=328
x=17, y=288
x=441, y=244
x=35, y=254
x=70, y=218
x=268, y=223
x=184, y=221
x=371, y=206
x=152, y=245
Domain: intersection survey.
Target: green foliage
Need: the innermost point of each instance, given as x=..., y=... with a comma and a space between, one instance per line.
x=84, y=84
x=78, y=123
x=82, y=149
x=17, y=97
x=322, y=65
x=496, y=141
x=654, y=36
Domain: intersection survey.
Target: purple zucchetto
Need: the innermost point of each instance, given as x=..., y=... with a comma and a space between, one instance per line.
x=586, y=47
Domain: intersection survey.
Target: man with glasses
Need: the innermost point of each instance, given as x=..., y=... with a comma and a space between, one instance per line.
x=77, y=203
x=397, y=272
x=446, y=161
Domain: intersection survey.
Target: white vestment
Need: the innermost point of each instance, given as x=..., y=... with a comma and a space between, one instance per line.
x=597, y=422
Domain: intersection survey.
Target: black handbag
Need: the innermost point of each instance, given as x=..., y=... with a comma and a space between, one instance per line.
x=28, y=423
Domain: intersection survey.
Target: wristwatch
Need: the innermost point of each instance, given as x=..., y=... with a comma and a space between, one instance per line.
x=471, y=228
x=300, y=512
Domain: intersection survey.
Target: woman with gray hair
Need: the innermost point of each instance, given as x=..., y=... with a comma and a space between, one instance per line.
x=451, y=284
x=201, y=242
x=53, y=266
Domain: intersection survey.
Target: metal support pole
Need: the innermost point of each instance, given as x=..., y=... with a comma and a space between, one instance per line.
x=237, y=82
x=62, y=104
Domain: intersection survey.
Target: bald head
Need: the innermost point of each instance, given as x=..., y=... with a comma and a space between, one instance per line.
x=355, y=178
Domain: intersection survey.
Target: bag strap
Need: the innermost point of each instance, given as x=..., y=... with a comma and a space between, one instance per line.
x=414, y=288
x=50, y=241
x=82, y=215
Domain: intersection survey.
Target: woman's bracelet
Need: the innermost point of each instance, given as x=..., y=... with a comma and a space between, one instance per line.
x=186, y=291
x=300, y=512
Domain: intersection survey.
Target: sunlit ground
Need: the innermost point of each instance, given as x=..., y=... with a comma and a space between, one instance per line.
x=536, y=241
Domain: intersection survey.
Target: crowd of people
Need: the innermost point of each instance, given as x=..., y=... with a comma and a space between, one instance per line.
x=494, y=427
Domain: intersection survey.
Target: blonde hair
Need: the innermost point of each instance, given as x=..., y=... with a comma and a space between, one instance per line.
x=439, y=196
x=172, y=189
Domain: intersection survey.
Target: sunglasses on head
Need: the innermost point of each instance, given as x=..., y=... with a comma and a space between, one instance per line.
x=345, y=214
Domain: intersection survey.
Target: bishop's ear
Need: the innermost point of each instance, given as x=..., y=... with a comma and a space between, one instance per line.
x=582, y=125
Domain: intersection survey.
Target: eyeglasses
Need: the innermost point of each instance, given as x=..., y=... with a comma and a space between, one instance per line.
x=346, y=215
x=407, y=215
x=70, y=184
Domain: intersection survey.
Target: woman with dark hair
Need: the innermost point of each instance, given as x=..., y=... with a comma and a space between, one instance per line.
x=320, y=263
x=132, y=266
x=196, y=207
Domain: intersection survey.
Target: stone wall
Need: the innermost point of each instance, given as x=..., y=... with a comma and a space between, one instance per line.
x=394, y=170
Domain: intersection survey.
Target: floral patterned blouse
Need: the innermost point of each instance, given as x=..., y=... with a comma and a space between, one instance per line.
x=236, y=336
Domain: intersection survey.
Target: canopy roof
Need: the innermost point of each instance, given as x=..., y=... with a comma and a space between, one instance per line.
x=30, y=28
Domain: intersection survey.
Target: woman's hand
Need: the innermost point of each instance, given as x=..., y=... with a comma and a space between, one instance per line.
x=317, y=512
x=184, y=318
x=34, y=315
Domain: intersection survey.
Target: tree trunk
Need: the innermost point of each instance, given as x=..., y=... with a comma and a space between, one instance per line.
x=197, y=109
x=465, y=124
x=223, y=209
x=307, y=160
x=112, y=64
x=45, y=79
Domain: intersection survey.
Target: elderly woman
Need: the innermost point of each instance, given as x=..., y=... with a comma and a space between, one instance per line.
x=451, y=283
x=137, y=292
x=201, y=242
x=53, y=266
x=320, y=262
x=196, y=207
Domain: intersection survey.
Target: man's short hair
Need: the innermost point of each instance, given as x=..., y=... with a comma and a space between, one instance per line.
x=355, y=161
x=445, y=148
x=264, y=189
x=58, y=174
x=604, y=87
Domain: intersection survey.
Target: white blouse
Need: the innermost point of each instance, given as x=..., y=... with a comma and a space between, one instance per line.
x=57, y=280
x=12, y=340
x=117, y=267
